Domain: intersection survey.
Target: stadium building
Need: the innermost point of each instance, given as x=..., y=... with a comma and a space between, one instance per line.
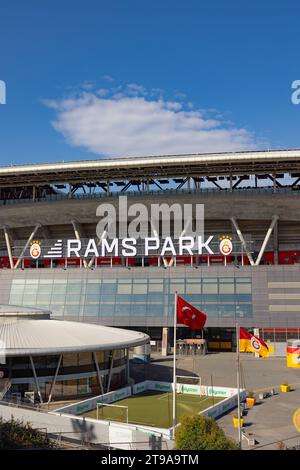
x=59, y=359
x=252, y=198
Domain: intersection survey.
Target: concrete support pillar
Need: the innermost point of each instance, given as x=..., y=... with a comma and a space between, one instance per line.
x=165, y=342
x=8, y=246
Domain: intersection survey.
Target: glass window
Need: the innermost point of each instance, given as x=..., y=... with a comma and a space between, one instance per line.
x=17, y=288
x=74, y=288
x=109, y=286
x=93, y=289
x=100, y=357
x=45, y=289
x=139, y=309
x=210, y=286
x=83, y=386
x=153, y=297
x=91, y=310
x=243, y=288
x=139, y=288
x=193, y=287
x=124, y=288
x=31, y=282
x=31, y=289
x=85, y=358
x=226, y=287
x=244, y=310
x=59, y=289
x=72, y=299
x=177, y=286
x=92, y=299
x=155, y=287
x=29, y=300
x=107, y=310
x=70, y=359
x=57, y=310
x=227, y=310
x=57, y=299
x=72, y=310
x=15, y=299
x=70, y=387
x=155, y=309
x=122, y=309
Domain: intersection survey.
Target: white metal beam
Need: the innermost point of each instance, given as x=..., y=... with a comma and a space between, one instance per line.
x=110, y=371
x=242, y=240
x=26, y=245
x=103, y=237
x=36, y=379
x=267, y=237
x=76, y=228
x=54, y=378
x=98, y=372
x=8, y=246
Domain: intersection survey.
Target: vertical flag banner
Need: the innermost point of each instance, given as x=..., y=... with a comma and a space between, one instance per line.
x=251, y=343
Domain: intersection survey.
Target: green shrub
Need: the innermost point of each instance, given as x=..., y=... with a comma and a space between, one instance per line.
x=201, y=433
x=17, y=435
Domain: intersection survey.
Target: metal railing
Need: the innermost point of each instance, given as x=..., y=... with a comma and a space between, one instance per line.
x=171, y=191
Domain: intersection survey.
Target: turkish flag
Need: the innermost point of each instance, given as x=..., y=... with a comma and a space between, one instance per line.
x=189, y=315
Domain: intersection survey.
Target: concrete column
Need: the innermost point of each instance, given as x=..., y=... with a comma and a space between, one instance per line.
x=8, y=246
x=165, y=342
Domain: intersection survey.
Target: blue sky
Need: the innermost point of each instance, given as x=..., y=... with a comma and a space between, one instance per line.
x=92, y=78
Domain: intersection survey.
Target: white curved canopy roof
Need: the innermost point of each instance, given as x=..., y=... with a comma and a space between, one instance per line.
x=22, y=335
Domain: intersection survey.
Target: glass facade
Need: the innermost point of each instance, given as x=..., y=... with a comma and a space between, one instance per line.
x=77, y=373
x=76, y=297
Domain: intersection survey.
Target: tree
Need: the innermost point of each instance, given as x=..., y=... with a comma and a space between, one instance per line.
x=17, y=435
x=201, y=433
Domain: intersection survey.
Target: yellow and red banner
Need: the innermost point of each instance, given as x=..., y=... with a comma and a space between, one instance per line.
x=293, y=354
x=251, y=343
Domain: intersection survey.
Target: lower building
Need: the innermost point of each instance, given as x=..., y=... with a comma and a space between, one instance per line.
x=56, y=359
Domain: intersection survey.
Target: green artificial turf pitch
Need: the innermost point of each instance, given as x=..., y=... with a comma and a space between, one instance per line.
x=153, y=408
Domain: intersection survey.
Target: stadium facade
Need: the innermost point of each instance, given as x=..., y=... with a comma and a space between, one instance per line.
x=252, y=198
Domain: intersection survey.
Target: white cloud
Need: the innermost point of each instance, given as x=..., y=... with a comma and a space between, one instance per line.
x=125, y=121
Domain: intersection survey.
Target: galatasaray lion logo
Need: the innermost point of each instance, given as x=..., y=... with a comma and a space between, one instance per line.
x=255, y=344
x=35, y=249
x=225, y=246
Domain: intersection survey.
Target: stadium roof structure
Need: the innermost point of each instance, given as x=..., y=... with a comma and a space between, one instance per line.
x=169, y=166
x=30, y=331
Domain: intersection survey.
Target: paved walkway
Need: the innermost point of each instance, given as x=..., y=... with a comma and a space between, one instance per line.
x=270, y=421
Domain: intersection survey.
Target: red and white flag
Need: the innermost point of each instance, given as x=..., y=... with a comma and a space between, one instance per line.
x=189, y=315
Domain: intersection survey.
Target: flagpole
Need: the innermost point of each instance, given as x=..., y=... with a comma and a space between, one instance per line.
x=174, y=365
x=238, y=382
